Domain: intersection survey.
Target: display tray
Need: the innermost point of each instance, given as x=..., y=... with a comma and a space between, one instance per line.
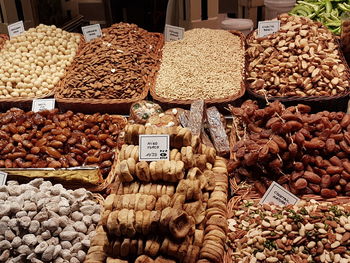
x=220, y=103
x=74, y=177
x=122, y=106
x=330, y=103
x=25, y=103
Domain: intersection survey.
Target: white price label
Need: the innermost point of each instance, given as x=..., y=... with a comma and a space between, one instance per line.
x=173, y=33
x=43, y=104
x=268, y=27
x=3, y=178
x=91, y=32
x=153, y=147
x=278, y=195
x=15, y=29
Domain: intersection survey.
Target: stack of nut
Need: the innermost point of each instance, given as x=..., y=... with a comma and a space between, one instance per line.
x=41, y=222
x=306, y=153
x=306, y=232
x=32, y=63
x=301, y=59
x=119, y=65
x=165, y=211
x=50, y=139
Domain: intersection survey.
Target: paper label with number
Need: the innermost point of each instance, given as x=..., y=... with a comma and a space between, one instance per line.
x=91, y=32
x=278, y=195
x=3, y=178
x=154, y=147
x=173, y=33
x=43, y=104
x=15, y=29
x=268, y=27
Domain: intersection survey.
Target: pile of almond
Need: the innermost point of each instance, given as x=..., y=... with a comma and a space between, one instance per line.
x=119, y=65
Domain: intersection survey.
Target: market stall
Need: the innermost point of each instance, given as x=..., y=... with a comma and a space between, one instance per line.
x=244, y=159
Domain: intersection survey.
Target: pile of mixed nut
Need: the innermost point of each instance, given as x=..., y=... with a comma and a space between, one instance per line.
x=301, y=59
x=306, y=232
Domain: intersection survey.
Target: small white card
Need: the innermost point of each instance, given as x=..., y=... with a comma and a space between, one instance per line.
x=173, y=33
x=278, y=195
x=268, y=27
x=43, y=104
x=154, y=147
x=15, y=29
x=3, y=178
x=91, y=32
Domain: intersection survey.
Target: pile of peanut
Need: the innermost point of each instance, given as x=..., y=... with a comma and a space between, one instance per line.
x=306, y=232
x=119, y=65
x=41, y=222
x=301, y=59
x=165, y=211
x=306, y=153
x=50, y=139
x=205, y=64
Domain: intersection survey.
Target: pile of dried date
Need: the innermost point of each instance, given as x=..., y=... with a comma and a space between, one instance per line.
x=306, y=153
x=118, y=65
x=306, y=232
x=50, y=139
x=301, y=59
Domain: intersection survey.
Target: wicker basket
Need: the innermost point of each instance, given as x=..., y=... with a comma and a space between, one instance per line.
x=25, y=103
x=319, y=103
x=167, y=103
x=121, y=106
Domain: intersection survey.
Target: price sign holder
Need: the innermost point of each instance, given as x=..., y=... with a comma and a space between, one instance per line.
x=15, y=29
x=43, y=104
x=91, y=32
x=173, y=33
x=266, y=28
x=278, y=195
x=154, y=147
x=3, y=178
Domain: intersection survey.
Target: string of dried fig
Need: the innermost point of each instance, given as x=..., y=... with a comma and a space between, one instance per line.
x=176, y=208
x=306, y=153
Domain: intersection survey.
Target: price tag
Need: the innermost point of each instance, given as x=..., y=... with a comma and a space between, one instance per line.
x=173, y=33
x=3, y=178
x=43, y=104
x=153, y=147
x=91, y=32
x=15, y=29
x=268, y=27
x=278, y=195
